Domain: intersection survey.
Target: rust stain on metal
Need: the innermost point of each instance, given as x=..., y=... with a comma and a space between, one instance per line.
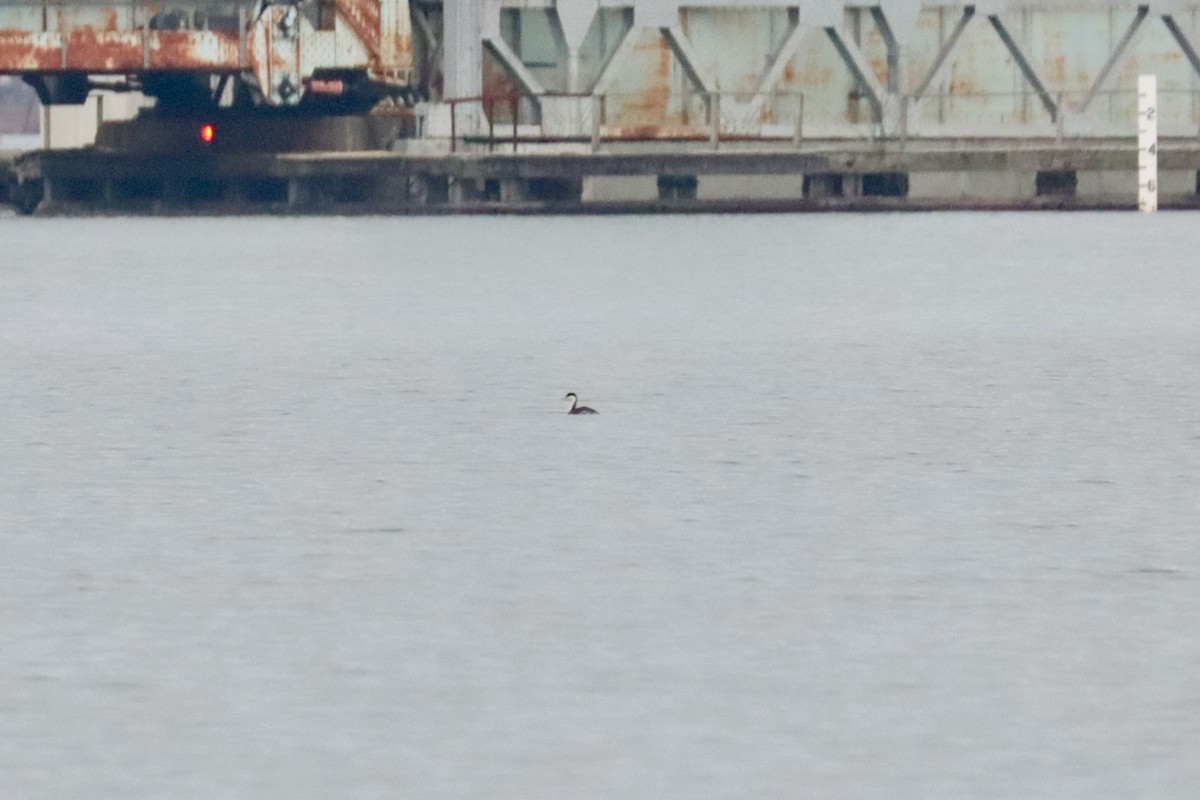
x=100, y=51
x=810, y=77
x=961, y=86
x=880, y=67
x=1056, y=70
x=656, y=132
x=193, y=49
x=498, y=91
x=22, y=51
x=105, y=39
x=103, y=51
x=404, y=49
x=497, y=87
x=656, y=92
x=363, y=18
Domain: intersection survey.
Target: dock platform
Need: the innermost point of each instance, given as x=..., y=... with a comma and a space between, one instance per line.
x=825, y=176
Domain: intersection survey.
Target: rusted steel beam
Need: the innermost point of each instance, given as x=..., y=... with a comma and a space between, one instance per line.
x=87, y=49
x=116, y=40
x=194, y=49
x=22, y=51
x=362, y=17
x=513, y=65
x=395, y=38
x=117, y=52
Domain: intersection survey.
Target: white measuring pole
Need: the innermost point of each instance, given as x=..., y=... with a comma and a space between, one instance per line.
x=1147, y=143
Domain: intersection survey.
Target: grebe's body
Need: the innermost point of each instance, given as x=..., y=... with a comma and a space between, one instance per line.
x=576, y=408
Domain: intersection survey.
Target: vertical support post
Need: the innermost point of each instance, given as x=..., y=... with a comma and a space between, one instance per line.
x=462, y=50
x=512, y=190
x=714, y=106
x=453, y=126
x=1058, y=120
x=298, y=192
x=489, y=111
x=798, y=134
x=1147, y=143
x=597, y=110
x=516, y=115
x=574, y=79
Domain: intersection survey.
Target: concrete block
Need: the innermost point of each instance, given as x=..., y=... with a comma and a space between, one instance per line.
x=750, y=187
x=567, y=116
x=1108, y=184
x=999, y=185
x=608, y=189
x=1177, y=182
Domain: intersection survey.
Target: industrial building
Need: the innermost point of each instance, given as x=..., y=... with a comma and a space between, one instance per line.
x=933, y=102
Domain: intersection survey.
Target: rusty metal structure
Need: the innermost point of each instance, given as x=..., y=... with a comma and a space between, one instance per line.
x=585, y=105
x=199, y=54
x=781, y=69
x=547, y=71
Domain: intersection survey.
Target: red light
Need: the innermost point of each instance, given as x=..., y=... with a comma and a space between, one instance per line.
x=207, y=133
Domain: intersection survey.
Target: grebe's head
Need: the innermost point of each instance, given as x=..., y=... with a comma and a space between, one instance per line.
x=570, y=395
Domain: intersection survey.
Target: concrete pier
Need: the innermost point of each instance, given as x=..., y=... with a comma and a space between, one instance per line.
x=981, y=174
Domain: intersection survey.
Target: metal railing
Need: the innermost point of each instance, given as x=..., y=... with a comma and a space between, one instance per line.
x=795, y=117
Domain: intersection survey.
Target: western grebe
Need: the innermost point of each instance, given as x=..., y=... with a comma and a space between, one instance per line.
x=576, y=408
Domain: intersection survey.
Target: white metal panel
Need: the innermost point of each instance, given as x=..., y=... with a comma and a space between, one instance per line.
x=462, y=65
x=348, y=48
x=655, y=13
x=576, y=17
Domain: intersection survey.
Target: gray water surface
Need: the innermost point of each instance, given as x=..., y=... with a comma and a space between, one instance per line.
x=893, y=506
